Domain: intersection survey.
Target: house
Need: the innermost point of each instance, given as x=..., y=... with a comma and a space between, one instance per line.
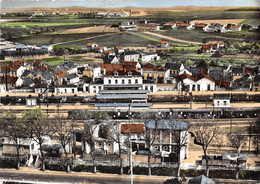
x=149, y=85
x=233, y=27
x=256, y=83
x=149, y=56
x=9, y=80
x=130, y=26
x=148, y=27
x=221, y=101
x=212, y=46
x=91, y=46
x=72, y=78
x=122, y=90
x=200, y=82
x=197, y=26
x=214, y=27
x=222, y=81
x=237, y=72
x=101, y=49
x=111, y=59
x=2, y=88
x=104, y=68
x=119, y=49
x=16, y=69
x=69, y=67
x=159, y=74
x=68, y=88
x=165, y=44
x=59, y=77
x=45, y=77
x=39, y=63
x=47, y=47
x=24, y=82
x=175, y=68
x=165, y=143
x=95, y=86
x=129, y=56
x=92, y=70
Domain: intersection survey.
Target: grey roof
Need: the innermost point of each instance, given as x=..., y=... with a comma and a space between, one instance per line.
x=47, y=75
x=123, y=104
x=124, y=92
x=71, y=76
x=237, y=70
x=26, y=73
x=257, y=78
x=122, y=96
x=215, y=72
x=173, y=66
x=27, y=81
x=195, y=70
x=233, y=156
x=123, y=85
x=94, y=65
x=201, y=180
x=67, y=66
x=174, y=124
x=97, y=81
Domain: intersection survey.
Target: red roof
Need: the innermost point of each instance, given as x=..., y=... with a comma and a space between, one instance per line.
x=132, y=128
x=119, y=47
x=164, y=42
x=183, y=25
x=111, y=67
x=10, y=80
x=194, y=78
x=5, y=68
x=206, y=46
x=148, y=65
x=90, y=44
x=42, y=68
x=201, y=25
x=37, y=62
x=234, y=27
x=60, y=75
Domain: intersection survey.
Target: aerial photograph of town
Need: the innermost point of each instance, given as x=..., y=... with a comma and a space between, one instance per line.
x=130, y=91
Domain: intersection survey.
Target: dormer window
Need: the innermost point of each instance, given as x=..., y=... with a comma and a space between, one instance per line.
x=129, y=73
x=116, y=74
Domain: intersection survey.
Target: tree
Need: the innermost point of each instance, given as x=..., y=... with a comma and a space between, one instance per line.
x=39, y=127
x=116, y=136
x=15, y=129
x=204, y=132
x=63, y=131
x=90, y=129
x=179, y=133
x=151, y=134
x=256, y=134
x=237, y=141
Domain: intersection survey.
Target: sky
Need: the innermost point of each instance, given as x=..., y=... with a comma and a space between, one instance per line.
x=125, y=3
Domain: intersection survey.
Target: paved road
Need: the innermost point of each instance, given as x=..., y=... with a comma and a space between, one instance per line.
x=75, y=177
x=171, y=38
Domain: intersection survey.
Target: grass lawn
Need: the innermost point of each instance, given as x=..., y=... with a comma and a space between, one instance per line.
x=151, y=38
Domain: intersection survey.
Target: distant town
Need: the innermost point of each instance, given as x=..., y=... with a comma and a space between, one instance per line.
x=147, y=99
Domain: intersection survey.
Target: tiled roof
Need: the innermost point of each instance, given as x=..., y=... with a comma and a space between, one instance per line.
x=60, y=75
x=206, y=46
x=10, y=80
x=5, y=68
x=132, y=128
x=164, y=42
x=42, y=68
x=183, y=25
x=37, y=62
x=148, y=65
x=111, y=67
x=173, y=66
x=90, y=44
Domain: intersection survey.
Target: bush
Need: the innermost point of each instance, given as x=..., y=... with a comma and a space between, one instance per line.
x=55, y=167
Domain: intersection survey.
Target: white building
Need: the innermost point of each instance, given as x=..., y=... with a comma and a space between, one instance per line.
x=221, y=102
x=66, y=89
x=147, y=57
x=2, y=88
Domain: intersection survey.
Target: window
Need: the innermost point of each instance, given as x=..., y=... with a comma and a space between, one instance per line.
x=73, y=91
x=129, y=81
x=109, y=81
x=208, y=87
x=218, y=103
x=123, y=81
x=129, y=73
x=116, y=81
x=151, y=88
x=193, y=87
x=198, y=87
x=146, y=87
x=65, y=90
x=225, y=103
x=136, y=81
x=116, y=74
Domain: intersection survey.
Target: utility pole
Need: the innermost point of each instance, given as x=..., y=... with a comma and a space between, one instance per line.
x=131, y=163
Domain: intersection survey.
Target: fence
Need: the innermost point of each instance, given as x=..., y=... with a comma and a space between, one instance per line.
x=116, y=162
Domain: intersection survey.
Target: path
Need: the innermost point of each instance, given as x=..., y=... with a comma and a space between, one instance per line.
x=98, y=36
x=171, y=38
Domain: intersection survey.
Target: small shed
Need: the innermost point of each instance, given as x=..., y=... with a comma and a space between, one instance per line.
x=31, y=101
x=221, y=101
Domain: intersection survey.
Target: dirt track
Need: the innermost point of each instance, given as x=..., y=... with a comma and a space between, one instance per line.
x=171, y=38
x=95, y=29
